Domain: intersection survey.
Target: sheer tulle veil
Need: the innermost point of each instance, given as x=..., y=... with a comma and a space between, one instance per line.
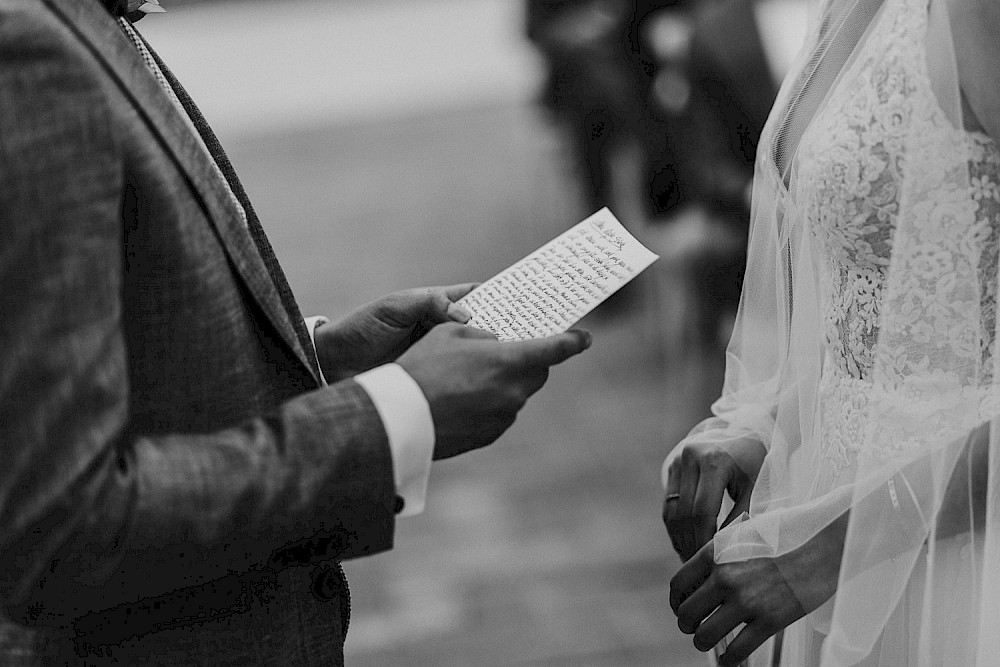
x=864, y=355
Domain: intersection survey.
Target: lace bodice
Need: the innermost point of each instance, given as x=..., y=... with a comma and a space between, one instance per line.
x=849, y=187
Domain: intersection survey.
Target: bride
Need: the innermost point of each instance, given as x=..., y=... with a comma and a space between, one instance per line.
x=857, y=435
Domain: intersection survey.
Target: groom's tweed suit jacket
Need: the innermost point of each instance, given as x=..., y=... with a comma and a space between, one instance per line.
x=174, y=484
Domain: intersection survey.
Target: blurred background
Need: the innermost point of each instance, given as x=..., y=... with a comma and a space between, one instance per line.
x=388, y=144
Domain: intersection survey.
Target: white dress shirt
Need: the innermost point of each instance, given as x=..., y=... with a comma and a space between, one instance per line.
x=406, y=416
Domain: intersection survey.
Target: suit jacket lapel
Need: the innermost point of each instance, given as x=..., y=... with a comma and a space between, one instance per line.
x=253, y=223
x=98, y=30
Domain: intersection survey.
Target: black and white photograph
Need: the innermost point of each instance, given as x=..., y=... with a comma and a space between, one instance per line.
x=499, y=333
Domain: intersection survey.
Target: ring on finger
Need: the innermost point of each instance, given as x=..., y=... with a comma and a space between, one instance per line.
x=671, y=496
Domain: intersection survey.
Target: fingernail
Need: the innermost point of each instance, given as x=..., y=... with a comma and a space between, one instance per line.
x=458, y=314
x=587, y=339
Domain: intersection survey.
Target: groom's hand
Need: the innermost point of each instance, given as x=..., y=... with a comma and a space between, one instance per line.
x=378, y=332
x=476, y=385
x=698, y=475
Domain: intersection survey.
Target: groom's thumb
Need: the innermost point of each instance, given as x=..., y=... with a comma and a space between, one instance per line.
x=552, y=350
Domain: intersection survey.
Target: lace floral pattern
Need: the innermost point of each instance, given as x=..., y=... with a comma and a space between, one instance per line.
x=934, y=354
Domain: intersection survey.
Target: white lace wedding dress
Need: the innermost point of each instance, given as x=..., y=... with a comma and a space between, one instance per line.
x=864, y=353
x=849, y=187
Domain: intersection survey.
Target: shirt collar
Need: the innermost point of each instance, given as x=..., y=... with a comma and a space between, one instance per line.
x=133, y=10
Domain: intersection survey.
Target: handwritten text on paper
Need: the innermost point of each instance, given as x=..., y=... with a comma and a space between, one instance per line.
x=548, y=291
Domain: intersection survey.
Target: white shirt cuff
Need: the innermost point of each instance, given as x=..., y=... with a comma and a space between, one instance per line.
x=406, y=416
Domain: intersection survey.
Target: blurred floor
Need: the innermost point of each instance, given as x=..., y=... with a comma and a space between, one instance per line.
x=271, y=66
x=545, y=549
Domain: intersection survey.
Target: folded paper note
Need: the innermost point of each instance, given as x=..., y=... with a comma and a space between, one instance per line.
x=548, y=291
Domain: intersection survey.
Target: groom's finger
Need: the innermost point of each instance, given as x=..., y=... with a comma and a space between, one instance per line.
x=551, y=350
x=435, y=305
x=453, y=311
x=456, y=292
x=428, y=305
x=457, y=313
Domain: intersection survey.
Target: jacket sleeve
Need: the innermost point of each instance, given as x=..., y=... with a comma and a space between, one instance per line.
x=86, y=506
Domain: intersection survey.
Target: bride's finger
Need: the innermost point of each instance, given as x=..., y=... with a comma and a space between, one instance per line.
x=691, y=575
x=741, y=505
x=670, y=494
x=746, y=642
x=714, y=629
x=707, y=505
x=694, y=611
x=685, y=539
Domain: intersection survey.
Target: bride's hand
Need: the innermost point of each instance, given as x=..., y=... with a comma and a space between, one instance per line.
x=698, y=474
x=768, y=594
